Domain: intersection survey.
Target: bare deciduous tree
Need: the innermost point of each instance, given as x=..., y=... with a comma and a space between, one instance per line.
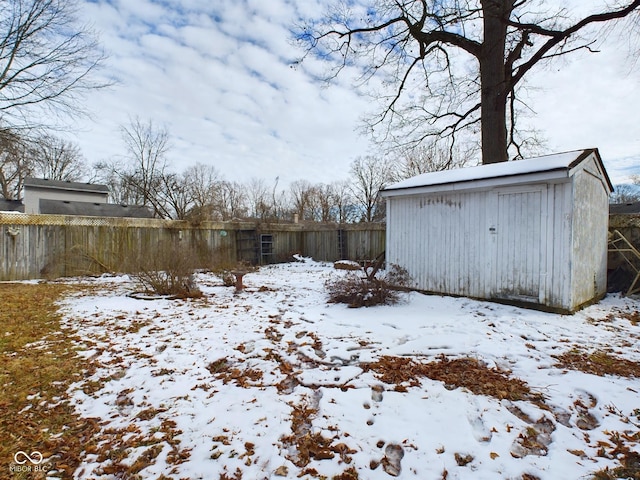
x=259, y=198
x=429, y=158
x=232, y=201
x=625, y=193
x=370, y=175
x=451, y=66
x=47, y=61
x=203, y=183
x=301, y=192
x=176, y=193
x=345, y=209
x=15, y=165
x=324, y=202
x=146, y=149
x=57, y=159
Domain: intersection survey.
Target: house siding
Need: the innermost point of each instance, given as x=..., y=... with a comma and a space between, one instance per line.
x=32, y=197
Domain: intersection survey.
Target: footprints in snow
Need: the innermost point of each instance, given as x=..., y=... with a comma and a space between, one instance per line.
x=536, y=438
x=393, y=453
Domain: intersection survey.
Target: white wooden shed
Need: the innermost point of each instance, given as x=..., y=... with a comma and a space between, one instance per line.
x=529, y=231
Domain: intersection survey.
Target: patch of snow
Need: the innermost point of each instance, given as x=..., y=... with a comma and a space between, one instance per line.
x=160, y=356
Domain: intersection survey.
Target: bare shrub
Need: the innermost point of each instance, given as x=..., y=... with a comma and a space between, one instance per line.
x=169, y=270
x=358, y=290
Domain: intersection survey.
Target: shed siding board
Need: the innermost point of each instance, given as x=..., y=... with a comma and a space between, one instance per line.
x=558, y=279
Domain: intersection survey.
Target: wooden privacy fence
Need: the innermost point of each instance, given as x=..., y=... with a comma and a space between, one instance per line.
x=37, y=246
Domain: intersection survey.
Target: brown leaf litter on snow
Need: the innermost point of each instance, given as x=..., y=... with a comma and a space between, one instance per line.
x=599, y=363
x=223, y=370
x=303, y=445
x=467, y=373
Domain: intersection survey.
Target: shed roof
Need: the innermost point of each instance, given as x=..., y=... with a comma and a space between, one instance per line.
x=559, y=162
x=90, y=209
x=31, y=182
x=629, y=207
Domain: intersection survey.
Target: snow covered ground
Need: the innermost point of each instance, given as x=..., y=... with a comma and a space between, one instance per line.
x=273, y=382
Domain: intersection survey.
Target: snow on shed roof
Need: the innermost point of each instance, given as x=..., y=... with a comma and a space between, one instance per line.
x=559, y=161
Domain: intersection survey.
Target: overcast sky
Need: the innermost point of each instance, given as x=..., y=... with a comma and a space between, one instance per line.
x=221, y=76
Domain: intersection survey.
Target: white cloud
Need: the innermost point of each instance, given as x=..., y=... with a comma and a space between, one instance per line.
x=221, y=76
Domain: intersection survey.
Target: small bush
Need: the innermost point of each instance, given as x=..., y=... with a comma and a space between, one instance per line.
x=169, y=271
x=358, y=290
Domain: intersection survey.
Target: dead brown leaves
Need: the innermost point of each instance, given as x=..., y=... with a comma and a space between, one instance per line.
x=598, y=363
x=223, y=370
x=624, y=448
x=467, y=373
x=113, y=451
x=37, y=365
x=312, y=445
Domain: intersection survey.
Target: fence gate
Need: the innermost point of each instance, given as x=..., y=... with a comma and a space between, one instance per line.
x=342, y=245
x=247, y=246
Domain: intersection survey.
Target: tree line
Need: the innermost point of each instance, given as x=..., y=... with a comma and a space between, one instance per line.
x=143, y=175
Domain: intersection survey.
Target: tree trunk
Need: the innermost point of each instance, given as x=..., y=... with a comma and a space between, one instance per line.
x=493, y=81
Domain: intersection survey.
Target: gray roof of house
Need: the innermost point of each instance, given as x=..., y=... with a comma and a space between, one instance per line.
x=11, y=206
x=630, y=207
x=90, y=209
x=31, y=182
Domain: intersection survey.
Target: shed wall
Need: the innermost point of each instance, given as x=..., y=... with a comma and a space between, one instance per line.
x=558, y=271
x=589, y=235
x=443, y=240
x=508, y=243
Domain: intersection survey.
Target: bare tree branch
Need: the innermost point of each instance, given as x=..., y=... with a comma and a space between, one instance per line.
x=47, y=62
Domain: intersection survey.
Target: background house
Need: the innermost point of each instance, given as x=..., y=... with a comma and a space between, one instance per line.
x=529, y=231
x=75, y=198
x=36, y=189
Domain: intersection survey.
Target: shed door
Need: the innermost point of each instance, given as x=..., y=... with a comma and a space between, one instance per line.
x=521, y=244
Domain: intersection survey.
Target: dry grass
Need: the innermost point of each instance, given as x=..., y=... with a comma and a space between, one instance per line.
x=598, y=363
x=37, y=365
x=468, y=373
